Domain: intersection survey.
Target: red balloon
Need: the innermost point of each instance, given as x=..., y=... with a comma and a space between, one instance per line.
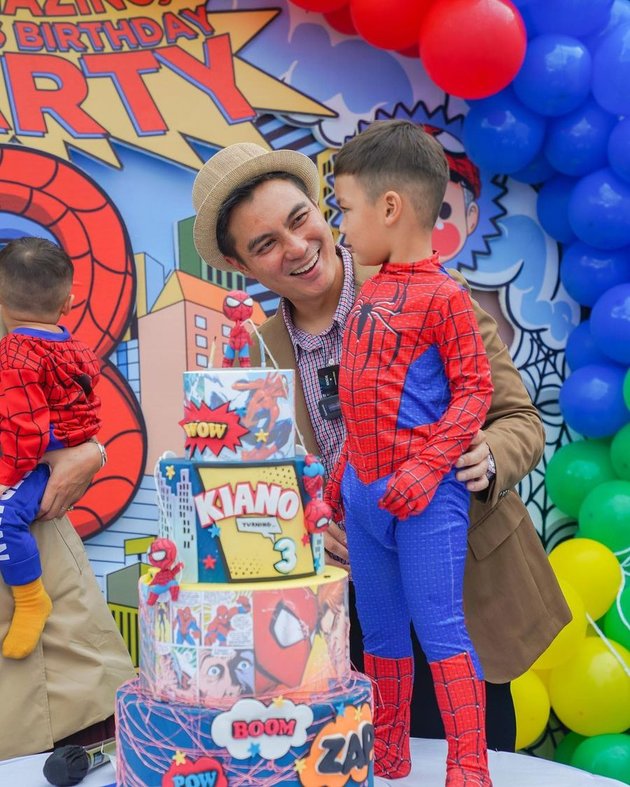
x=472, y=48
x=323, y=6
x=341, y=20
x=393, y=25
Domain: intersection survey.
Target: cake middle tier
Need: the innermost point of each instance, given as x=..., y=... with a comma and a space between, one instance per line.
x=217, y=642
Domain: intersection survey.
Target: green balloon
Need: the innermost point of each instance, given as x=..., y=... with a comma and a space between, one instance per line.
x=620, y=452
x=626, y=389
x=605, y=515
x=566, y=747
x=575, y=470
x=605, y=755
x=616, y=622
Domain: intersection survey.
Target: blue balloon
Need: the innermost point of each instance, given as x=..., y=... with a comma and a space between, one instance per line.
x=591, y=400
x=581, y=349
x=537, y=171
x=599, y=210
x=572, y=17
x=577, y=143
x=553, y=208
x=501, y=135
x=611, y=71
x=619, y=15
x=619, y=149
x=555, y=77
x=587, y=273
x=610, y=323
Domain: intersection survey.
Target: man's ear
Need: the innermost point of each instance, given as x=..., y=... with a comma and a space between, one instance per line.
x=391, y=203
x=67, y=304
x=236, y=263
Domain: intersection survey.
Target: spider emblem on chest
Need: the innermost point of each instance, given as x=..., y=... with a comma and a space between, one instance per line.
x=374, y=316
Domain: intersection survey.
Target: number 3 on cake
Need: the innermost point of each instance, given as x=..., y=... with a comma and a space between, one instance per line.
x=286, y=547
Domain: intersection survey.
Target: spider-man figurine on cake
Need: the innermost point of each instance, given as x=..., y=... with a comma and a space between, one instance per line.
x=414, y=389
x=238, y=306
x=162, y=554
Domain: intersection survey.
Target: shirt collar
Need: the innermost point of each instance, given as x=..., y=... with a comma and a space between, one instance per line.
x=304, y=340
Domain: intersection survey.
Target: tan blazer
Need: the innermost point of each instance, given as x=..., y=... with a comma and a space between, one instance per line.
x=70, y=679
x=513, y=603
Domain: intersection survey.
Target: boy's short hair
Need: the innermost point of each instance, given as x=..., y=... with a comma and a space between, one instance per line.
x=398, y=155
x=35, y=276
x=243, y=193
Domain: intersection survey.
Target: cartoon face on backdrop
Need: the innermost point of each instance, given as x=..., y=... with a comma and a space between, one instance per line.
x=459, y=214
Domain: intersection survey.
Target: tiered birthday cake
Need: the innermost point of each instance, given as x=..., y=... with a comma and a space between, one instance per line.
x=245, y=674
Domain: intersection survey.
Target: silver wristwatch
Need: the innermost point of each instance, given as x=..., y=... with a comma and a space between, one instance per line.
x=492, y=467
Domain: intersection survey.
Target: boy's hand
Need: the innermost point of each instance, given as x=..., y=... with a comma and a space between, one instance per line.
x=71, y=472
x=473, y=465
x=406, y=493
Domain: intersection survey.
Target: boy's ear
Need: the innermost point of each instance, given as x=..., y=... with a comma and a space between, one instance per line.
x=67, y=305
x=392, y=207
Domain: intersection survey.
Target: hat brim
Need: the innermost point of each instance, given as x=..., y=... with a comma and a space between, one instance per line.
x=205, y=226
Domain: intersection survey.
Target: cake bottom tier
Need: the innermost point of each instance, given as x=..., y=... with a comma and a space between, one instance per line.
x=319, y=740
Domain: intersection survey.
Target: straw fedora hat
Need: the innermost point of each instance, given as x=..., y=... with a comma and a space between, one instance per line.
x=226, y=171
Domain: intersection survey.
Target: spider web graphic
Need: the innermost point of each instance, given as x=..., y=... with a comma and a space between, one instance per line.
x=542, y=370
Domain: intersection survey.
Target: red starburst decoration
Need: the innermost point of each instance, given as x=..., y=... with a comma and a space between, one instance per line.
x=209, y=562
x=212, y=428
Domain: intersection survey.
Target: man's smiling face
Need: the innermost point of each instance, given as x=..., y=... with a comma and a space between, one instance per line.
x=283, y=241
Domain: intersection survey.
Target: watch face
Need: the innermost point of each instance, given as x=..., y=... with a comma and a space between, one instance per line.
x=492, y=468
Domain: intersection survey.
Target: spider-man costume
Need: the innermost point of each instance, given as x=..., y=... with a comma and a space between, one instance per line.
x=414, y=388
x=46, y=402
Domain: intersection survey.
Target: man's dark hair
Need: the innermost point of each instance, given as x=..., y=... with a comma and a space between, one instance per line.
x=243, y=193
x=35, y=276
x=398, y=155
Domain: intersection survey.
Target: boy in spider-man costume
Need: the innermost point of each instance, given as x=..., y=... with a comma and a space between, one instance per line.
x=47, y=401
x=414, y=389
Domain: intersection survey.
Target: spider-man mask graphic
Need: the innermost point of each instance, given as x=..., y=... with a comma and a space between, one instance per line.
x=284, y=625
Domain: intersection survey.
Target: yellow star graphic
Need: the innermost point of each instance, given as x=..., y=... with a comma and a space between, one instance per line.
x=357, y=714
x=170, y=472
x=261, y=436
x=278, y=701
x=179, y=758
x=299, y=766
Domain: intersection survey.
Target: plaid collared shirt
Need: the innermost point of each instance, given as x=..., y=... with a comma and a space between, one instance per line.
x=316, y=352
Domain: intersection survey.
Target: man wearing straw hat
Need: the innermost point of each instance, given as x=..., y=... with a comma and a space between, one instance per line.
x=257, y=212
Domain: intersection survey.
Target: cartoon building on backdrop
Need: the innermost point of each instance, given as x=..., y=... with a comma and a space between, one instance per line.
x=185, y=330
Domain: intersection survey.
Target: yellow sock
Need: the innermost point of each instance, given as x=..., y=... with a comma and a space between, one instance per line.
x=32, y=608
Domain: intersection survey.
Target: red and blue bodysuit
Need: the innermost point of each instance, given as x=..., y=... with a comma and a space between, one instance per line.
x=414, y=388
x=47, y=401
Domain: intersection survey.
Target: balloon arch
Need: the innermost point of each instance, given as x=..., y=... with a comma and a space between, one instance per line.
x=549, y=105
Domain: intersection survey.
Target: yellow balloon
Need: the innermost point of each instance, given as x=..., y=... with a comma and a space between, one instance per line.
x=592, y=569
x=544, y=674
x=531, y=705
x=590, y=693
x=568, y=639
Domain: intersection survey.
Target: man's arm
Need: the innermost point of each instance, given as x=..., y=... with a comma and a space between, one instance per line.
x=71, y=472
x=513, y=430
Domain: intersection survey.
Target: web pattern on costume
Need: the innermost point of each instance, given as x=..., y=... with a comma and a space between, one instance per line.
x=407, y=322
x=46, y=387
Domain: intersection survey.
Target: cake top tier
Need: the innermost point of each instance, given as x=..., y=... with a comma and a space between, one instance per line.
x=239, y=415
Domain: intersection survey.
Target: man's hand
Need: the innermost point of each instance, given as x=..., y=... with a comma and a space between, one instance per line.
x=474, y=464
x=71, y=472
x=336, y=544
